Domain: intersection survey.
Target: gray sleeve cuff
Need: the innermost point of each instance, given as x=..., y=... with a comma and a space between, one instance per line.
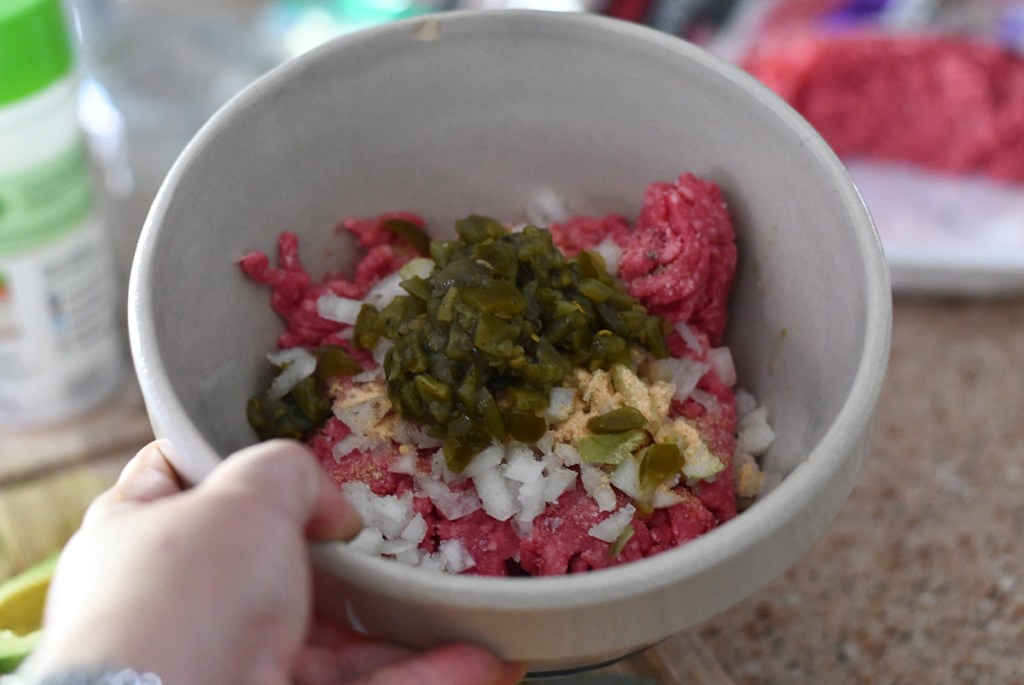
x=124, y=676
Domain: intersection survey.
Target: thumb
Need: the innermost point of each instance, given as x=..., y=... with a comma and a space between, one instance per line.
x=283, y=475
x=147, y=477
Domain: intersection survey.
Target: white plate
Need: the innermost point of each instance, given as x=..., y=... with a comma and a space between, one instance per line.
x=943, y=234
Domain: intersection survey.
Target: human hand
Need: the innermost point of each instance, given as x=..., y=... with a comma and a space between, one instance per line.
x=212, y=586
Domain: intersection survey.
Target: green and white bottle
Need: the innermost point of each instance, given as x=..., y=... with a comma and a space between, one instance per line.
x=61, y=349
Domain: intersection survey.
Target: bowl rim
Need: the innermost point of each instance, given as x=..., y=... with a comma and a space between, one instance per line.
x=776, y=510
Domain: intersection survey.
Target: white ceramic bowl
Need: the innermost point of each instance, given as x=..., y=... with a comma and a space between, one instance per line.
x=484, y=112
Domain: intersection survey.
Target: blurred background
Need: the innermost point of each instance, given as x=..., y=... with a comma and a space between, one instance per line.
x=885, y=81
x=154, y=71
x=924, y=102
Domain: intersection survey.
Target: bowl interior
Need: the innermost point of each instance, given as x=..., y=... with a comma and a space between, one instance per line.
x=479, y=113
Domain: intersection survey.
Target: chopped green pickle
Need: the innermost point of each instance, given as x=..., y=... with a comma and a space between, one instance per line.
x=493, y=320
x=306, y=406
x=410, y=233
x=701, y=463
x=658, y=463
x=272, y=418
x=508, y=314
x=312, y=400
x=364, y=333
x=333, y=361
x=620, y=542
x=613, y=448
x=525, y=426
x=464, y=440
x=617, y=421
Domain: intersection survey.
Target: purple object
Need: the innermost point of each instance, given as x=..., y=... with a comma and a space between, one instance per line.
x=1011, y=28
x=855, y=12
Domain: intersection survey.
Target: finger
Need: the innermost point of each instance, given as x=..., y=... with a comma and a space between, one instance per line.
x=323, y=632
x=335, y=518
x=449, y=665
x=283, y=476
x=147, y=477
x=330, y=666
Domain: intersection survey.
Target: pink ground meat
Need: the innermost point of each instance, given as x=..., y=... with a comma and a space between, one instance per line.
x=587, y=232
x=679, y=260
x=942, y=102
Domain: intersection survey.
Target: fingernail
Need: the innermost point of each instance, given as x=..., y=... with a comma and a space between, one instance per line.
x=335, y=518
x=147, y=476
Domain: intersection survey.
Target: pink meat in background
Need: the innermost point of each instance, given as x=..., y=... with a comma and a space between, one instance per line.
x=945, y=102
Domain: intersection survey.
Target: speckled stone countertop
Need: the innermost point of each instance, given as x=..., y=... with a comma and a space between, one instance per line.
x=920, y=579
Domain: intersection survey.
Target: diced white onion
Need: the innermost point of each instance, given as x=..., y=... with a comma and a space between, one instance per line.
x=683, y=373
x=389, y=514
x=523, y=466
x=568, y=454
x=416, y=530
x=361, y=417
x=453, y=504
x=546, y=443
x=754, y=434
x=689, y=337
x=455, y=557
x=686, y=378
x=404, y=463
x=626, y=477
x=385, y=291
x=337, y=308
x=495, y=495
x=611, y=528
x=432, y=562
x=409, y=433
x=597, y=484
x=410, y=557
x=665, y=497
x=420, y=266
x=353, y=442
x=531, y=499
x=369, y=540
x=745, y=402
x=380, y=350
x=706, y=400
x=611, y=253
x=560, y=404
x=546, y=207
x=440, y=472
x=392, y=514
x=359, y=495
x=721, y=363
x=487, y=459
x=370, y=375
x=296, y=364
x=558, y=481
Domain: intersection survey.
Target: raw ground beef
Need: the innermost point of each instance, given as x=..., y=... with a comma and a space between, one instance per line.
x=939, y=101
x=678, y=258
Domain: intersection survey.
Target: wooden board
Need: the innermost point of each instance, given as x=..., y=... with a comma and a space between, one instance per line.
x=49, y=476
x=118, y=426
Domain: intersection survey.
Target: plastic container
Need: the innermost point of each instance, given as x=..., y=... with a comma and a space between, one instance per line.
x=61, y=346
